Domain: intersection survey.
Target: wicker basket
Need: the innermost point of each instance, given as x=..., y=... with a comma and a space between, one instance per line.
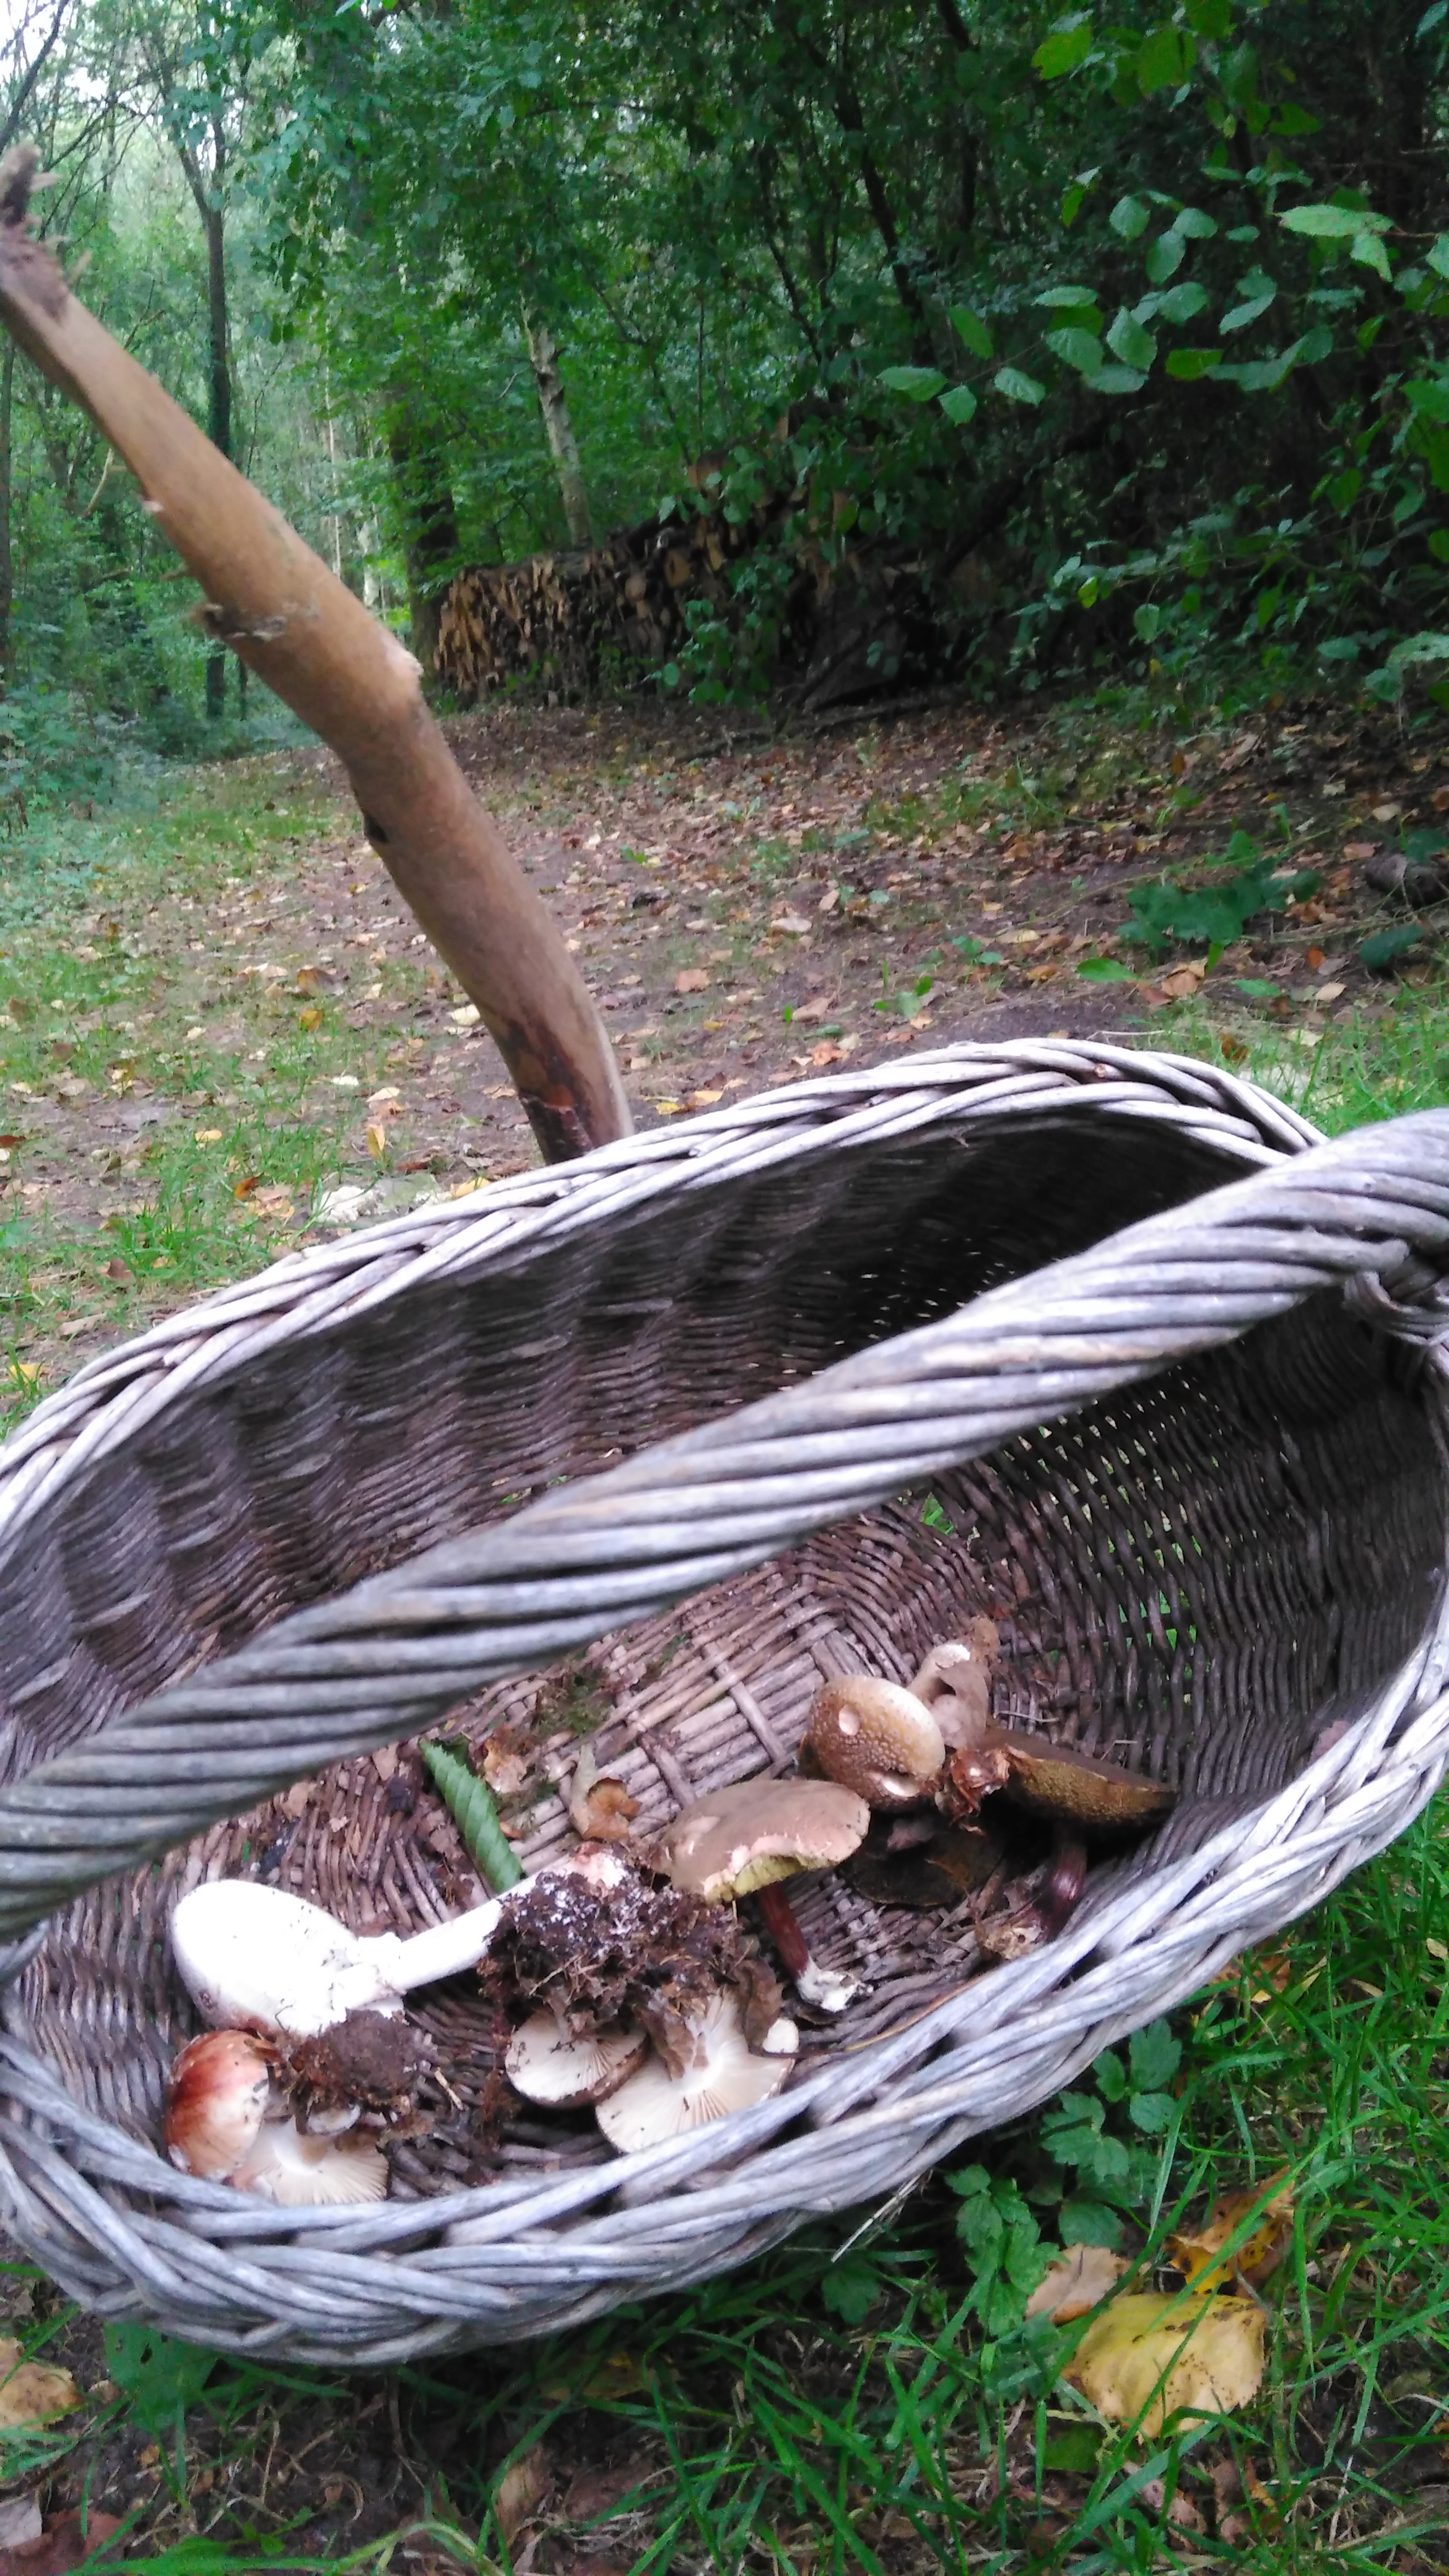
x=1196, y=1467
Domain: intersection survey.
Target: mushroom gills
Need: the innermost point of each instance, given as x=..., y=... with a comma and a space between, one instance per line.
x=724, y=2075
x=548, y=2063
x=300, y=2172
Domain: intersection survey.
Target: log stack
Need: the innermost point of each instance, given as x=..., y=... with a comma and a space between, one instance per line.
x=560, y=618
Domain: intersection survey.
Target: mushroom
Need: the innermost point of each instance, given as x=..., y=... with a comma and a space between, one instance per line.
x=259, y=1958
x=877, y=1739
x=1098, y=1797
x=547, y=2062
x=955, y=1682
x=216, y=2101
x=741, y=1840
x=296, y=2170
x=722, y=2075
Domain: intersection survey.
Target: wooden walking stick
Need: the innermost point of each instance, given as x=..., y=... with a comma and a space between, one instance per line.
x=301, y=630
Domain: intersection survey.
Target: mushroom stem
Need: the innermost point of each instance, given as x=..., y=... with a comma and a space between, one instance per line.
x=1068, y=1878
x=823, y=1987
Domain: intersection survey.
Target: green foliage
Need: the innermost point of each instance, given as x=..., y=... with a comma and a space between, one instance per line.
x=157, y=2376
x=470, y=1802
x=1166, y=912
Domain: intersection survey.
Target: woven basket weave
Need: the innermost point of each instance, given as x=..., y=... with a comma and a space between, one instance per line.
x=1196, y=1467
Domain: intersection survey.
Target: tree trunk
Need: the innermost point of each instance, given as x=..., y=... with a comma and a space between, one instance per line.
x=7, y=560
x=430, y=527
x=563, y=447
x=219, y=371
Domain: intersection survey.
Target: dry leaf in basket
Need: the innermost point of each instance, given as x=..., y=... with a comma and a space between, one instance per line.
x=600, y=1807
x=1153, y=2355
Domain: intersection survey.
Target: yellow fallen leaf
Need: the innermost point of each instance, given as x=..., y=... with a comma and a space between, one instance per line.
x=1197, y=2252
x=704, y=1099
x=310, y=1019
x=32, y=2390
x=376, y=1139
x=208, y=1135
x=467, y=1018
x=1155, y=2355
x=1085, y=2275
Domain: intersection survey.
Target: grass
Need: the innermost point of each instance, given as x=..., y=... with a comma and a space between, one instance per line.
x=870, y=2397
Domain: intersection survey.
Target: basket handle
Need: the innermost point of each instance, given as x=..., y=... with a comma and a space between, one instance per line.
x=383, y=1659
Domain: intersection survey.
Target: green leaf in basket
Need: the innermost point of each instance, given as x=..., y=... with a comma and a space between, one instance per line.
x=472, y=1808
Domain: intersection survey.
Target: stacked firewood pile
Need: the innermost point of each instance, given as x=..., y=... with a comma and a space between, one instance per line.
x=559, y=617
x=582, y=617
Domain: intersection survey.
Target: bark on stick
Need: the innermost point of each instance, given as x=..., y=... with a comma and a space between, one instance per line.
x=302, y=631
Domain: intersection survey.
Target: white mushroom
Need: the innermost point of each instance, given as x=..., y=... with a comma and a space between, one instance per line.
x=724, y=2075
x=297, y=2171
x=259, y=1958
x=216, y=2101
x=546, y=2063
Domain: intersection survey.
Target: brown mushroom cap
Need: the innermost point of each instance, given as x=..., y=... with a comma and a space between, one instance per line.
x=1078, y=1788
x=877, y=1739
x=741, y=1837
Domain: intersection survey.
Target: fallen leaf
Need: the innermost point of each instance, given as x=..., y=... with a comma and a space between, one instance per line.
x=1153, y=2355
x=1387, y=813
x=308, y=979
x=30, y=2391
x=1196, y=2252
x=8, y=1142
x=311, y=1019
x=704, y=1099
x=1359, y=849
x=1331, y=992
x=63, y=2544
x=19, y=2520
x=376, y=1139
x=208, y=1135
x=1085, y=2276
x=827, y=1052
x=1183, y=982
x=505, y=1767
x=276, y=1200
x=519, y=2493
x=467, y=1018
x=244, y=1189
x=118, y=1269
x=297, y=1797
x=793, y=924
x=829, y=899
x=384, y=1762
x=600, y=1807
x=691, y=979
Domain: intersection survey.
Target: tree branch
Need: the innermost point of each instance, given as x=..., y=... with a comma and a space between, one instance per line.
x=303, y=632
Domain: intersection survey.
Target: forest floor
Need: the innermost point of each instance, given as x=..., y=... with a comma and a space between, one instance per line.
x=240, y=1019
x=220, y=1037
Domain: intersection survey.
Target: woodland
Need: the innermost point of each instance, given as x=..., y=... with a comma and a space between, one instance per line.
x=820, y=350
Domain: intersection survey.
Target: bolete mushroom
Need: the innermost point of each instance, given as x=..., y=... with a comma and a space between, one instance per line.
x=743, y=1839
x=1080, y=1789
x=723, y=2074
x=955, y=1682
x=877, y=1739
x=548, y=2063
